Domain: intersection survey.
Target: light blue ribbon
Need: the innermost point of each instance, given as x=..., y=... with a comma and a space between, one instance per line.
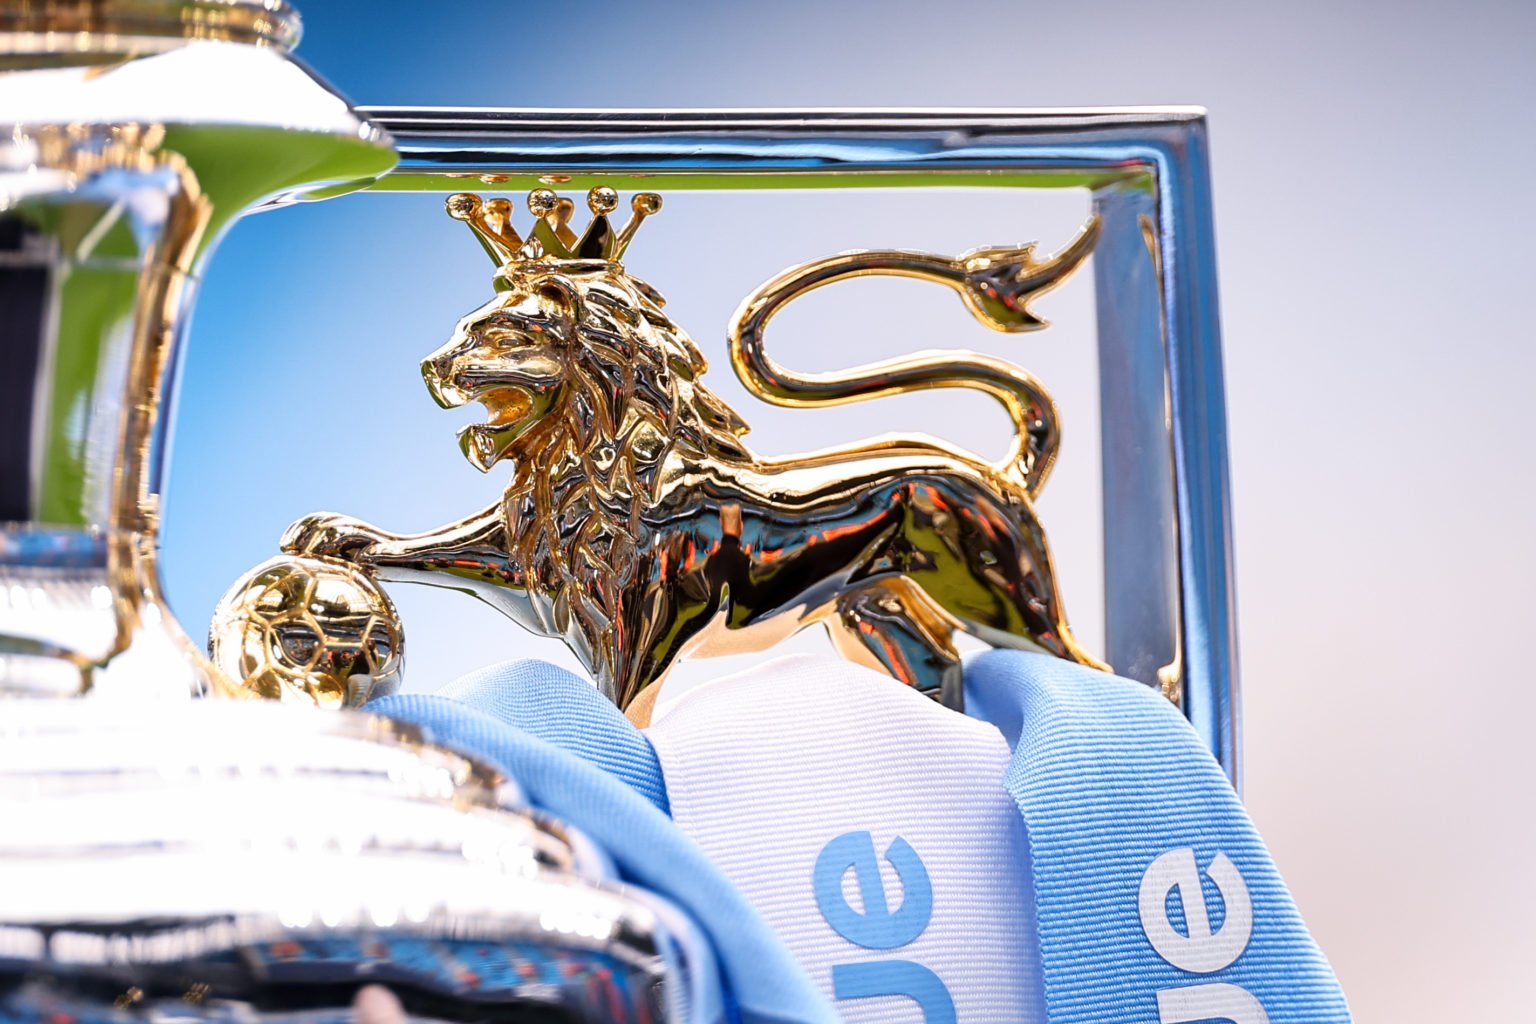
x=1156, y=901
x=1121, y=801
x=587, y=766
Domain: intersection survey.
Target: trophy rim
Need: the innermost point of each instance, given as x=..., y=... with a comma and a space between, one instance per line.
x=117, y=26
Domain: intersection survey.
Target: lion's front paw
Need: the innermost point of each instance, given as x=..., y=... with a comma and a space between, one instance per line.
x=329, y=535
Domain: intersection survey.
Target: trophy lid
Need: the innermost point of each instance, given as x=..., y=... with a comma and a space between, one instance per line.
x=108, y=26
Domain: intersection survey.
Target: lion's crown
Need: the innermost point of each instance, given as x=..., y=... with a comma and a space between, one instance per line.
x=551, y=237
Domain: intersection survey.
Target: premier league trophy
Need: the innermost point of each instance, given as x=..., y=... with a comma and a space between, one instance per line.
x=189, y=835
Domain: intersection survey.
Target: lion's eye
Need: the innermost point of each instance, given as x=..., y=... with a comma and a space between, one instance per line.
x=552, y=293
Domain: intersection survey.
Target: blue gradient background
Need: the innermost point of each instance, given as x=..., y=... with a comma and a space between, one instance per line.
x=1374, y=219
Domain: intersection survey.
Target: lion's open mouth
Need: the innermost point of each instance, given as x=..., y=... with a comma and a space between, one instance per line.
x=508, y=410
x=505, y=407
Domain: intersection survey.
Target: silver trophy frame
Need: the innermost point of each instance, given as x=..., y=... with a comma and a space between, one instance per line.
x=1169, y=592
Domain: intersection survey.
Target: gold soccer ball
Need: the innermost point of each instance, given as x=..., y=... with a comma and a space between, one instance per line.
x=309, y=630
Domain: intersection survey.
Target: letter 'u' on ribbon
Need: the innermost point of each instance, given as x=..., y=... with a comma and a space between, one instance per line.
x=1212, y=1001
x=897, y=978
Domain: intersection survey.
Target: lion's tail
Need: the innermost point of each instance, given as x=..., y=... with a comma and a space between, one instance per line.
x=996, y=285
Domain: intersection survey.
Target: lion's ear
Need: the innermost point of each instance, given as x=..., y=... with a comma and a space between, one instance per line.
x=561, y=291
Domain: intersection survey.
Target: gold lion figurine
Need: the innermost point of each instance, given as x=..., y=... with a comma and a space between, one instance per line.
x=640, y=528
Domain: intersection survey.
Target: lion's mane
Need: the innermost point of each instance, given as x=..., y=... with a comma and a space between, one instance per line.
x=588, y=469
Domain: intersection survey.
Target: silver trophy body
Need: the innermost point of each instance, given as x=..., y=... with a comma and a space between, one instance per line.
x=210, y=857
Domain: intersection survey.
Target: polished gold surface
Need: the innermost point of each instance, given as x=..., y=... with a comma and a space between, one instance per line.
x=638, y=527
x=309, y=630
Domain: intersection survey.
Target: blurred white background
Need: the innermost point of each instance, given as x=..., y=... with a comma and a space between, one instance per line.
x=1373, y=225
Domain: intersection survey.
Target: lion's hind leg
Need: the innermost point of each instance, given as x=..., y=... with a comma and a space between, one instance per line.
x=893, y=626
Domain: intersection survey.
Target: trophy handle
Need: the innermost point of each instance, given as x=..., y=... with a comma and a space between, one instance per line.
x=114, y=189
